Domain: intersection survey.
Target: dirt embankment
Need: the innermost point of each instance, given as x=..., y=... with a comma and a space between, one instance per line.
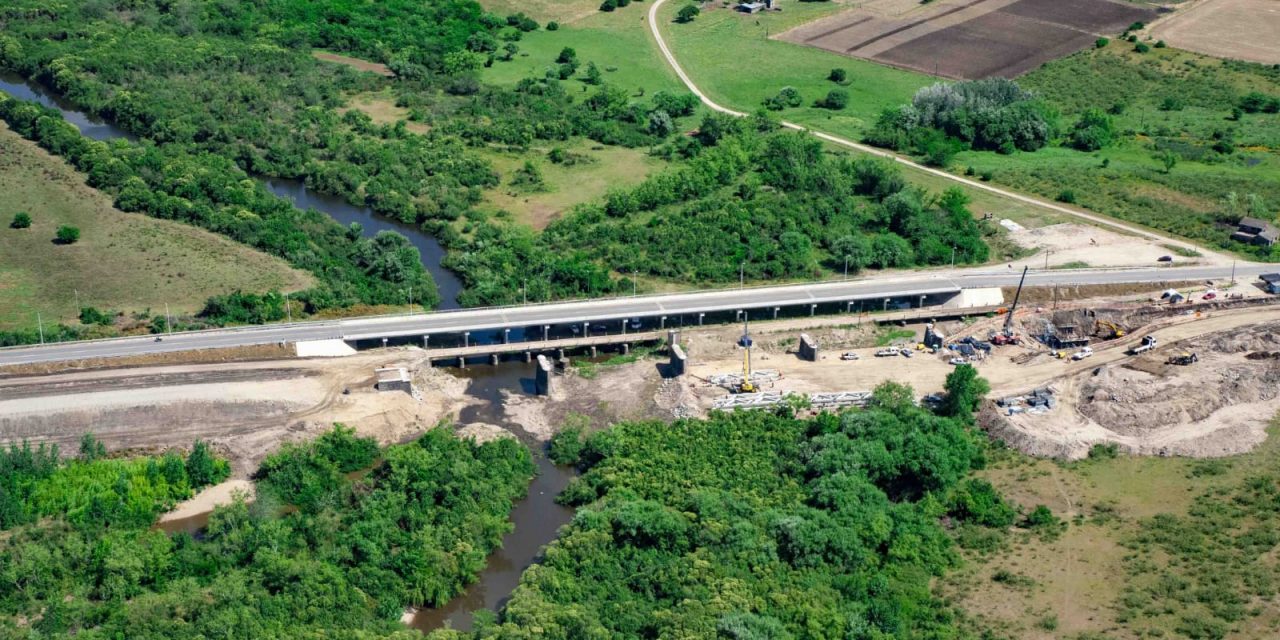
x=1216, y=406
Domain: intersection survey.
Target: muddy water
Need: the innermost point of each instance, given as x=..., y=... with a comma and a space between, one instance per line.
x=537, y=517
x=343, y=212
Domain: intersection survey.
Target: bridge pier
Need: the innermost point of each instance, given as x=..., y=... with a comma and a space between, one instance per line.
x=700, y=317
x=528, y=356
x=808, y=348
x=662, y=323
x=813, y=308
x=560, y=354
x=384, y=343
x=678, y=362
x=493, y=359
x=425, y=340
x=462, y=362
x=626, y=348
x=586, y=329
x=506, y=336
x=593, y=351
x=542, y=376
x=546, y=329
x=466, y=338
x=775, y=312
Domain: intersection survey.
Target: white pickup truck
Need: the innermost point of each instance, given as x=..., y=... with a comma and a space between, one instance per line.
x=1082, y=354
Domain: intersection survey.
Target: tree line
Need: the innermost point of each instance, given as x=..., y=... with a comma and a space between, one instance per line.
x=318, y=552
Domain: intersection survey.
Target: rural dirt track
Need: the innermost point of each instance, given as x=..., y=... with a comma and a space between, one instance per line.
x=845, y=142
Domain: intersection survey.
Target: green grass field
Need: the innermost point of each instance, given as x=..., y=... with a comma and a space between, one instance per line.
x=566, y=186
x=122, y=262
x=1081, y=579
x=731, y=57
x=618, y=42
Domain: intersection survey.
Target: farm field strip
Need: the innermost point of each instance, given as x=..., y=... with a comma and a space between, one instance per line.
x=973, y=39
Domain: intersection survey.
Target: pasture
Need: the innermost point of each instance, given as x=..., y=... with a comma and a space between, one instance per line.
x=122, y=262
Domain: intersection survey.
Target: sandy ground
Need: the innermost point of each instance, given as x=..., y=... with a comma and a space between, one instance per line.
x=243, y=409
x=210, y=497
x=1076, y=243
x=1233, y=29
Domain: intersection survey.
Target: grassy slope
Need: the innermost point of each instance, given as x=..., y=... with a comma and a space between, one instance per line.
x=1079, y=578
x=565, y=186
x=123, y=261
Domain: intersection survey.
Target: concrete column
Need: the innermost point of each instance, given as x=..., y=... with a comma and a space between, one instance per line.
x=462, y=362
x=626, y=348
x=493, y=359
x=559, y=354
x=700, y=317
x=425, y=340
x=775, y=312
x=922, y=301
x=678, y=362
x=662, y=324
x=506, y=336
x=624, y=326
x=673, y=338
x=886, y=304
x=737, y=315
x=542, y=372
x=528, y=356
x=593, y=351
x=546, y=331
x=466, y=338
x=808, y=348
x=586, y=329
x=813, y=308
x=426, y=362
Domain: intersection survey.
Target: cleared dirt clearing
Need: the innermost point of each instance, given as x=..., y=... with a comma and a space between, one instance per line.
x=1236, y=29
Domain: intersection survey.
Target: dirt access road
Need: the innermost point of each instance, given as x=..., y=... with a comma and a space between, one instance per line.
x=845, y=142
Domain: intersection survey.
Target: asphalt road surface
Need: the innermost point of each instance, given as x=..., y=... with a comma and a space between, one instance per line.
x=649, y=306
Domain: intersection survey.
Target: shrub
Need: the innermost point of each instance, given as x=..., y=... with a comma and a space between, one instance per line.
x=553, y=26
x=90, y=315
x=1040, y=517
x=1101, y=42
x=67, y=234
x=1141, y=47
x=787, y=97
x=1066, y=195
x=608, y=5
x=567, y=56
x=838, y=75
x=1160, y=44
x=687, y=13
x=1093, y=131
x=836, y=99
x=21, y=220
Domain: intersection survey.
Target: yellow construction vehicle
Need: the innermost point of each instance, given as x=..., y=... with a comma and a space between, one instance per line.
x=747, y=386
x=1113, y=330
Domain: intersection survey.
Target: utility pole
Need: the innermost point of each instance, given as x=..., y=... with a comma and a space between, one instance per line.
x=40, y=326
x=635, y=273
x=846, y=267
x=1046, y=259
x=288, y=309
x=953, y=256
x=742, y=270
x=168, y=320
x=410, y=298
x=1233, y=273
x=524, y=291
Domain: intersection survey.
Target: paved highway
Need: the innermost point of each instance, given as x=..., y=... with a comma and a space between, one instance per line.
x=651, y=306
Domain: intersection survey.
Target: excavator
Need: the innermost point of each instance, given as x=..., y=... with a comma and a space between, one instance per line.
x=1184, y=359
x=1113, y=330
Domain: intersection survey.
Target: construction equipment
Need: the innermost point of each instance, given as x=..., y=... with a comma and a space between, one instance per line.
x=1082, y=354
x=1148, y=343
x=1184, y=359
x=747, y=386
x=1113, y=330
x=1008, y=320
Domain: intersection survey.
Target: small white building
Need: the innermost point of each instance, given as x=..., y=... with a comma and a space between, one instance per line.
x=394, y=379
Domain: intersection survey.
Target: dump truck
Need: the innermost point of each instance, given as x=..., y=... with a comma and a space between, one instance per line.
x=1148, y=343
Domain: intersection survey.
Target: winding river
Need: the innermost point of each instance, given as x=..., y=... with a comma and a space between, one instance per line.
x=340, y=210
x=537, y=517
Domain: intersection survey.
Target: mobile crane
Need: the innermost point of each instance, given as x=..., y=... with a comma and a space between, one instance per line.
x=1006, y=335
x=747, y=386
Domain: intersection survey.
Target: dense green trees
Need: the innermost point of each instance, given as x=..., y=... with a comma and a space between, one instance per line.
x=415, y=530
x=758, y=525
x=771, y=204
x=994, y=114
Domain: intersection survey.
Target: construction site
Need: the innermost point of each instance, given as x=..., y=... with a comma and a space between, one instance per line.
x=1123, y=366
